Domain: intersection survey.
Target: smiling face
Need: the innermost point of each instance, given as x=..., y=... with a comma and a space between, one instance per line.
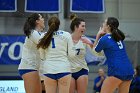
x=81, y=28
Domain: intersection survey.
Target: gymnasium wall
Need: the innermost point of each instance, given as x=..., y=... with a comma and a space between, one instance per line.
x=125, y=10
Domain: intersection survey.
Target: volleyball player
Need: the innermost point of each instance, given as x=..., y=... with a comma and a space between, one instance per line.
x=55, y=47
x=79, y=80
x=30, y=61
x=120, y=71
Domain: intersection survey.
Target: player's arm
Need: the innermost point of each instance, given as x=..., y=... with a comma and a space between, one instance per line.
x=70, y=47
x=89, y=45
x=42, y=53
x=36, y=36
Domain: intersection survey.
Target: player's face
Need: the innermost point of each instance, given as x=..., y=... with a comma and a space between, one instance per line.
x=106, y=27
x=40, y=22
x=81, y=29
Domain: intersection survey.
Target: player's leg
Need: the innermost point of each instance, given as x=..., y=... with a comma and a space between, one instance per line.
x=124, y=87
x=72, y=85
x=32, y=82
x=64, y=84
x=82, y=83
x=50, y=85
x=110, y=84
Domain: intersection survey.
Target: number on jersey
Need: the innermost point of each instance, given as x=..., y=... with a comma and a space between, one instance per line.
x=120, y=44
x=78, y=51
x=53, y=43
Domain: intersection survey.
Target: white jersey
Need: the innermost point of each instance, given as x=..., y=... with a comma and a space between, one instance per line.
x=30, y=55
x=78, y=62
x=56, y=55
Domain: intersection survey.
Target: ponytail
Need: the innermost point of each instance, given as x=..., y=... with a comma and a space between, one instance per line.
x=75, y=21
x=118, y=35
x=46, y=40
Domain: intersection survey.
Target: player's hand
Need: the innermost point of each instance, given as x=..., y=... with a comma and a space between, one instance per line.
x=102, y=78
x=101, y=32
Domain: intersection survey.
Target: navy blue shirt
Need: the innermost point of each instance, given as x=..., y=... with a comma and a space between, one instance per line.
x=96, y=80
x=117, y=59
x=135, y=85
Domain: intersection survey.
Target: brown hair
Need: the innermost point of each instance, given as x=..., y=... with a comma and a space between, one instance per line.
x=30, y=24
x=53, y=24
x=117, y=34
x=75, y=21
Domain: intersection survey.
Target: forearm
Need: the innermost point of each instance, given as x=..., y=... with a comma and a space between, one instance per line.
x=99, y=83
x=96, y=41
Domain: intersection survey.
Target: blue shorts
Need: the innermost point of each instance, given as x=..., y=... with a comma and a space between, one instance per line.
x=57, y=76
x=124, y=78
x=76, y=75
x=24, y=71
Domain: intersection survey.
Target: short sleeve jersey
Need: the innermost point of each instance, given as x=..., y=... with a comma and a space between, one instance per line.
x=117, y=59
x=78, y=62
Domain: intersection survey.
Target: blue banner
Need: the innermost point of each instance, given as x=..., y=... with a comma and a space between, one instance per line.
x=87, y=6
x=11, y=49
x=8, y=5
x=42, y=6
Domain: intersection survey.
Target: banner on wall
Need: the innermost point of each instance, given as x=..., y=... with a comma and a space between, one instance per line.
x=42, y=6
x=87, y=6
x=11, y=49
x=8, y=5
x=12, y=86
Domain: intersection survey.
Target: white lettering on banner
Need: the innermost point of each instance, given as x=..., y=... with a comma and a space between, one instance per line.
x=12, y=86
x=12, y=49
x=3, y=45
x=8, y=89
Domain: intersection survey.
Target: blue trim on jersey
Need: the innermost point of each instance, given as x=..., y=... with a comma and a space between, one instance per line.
x=24, y=71
x=117, y=59
x=57, y=76
x=76, y=75
x=39, y=33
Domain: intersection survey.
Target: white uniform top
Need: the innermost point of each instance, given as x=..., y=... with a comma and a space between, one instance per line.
x=30, y=55
x=56, y=55
x=78, y=62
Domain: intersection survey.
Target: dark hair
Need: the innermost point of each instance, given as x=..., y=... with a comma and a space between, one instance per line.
x=138, y=70
x=117, y=34
x=53, y=24
x=75, y=21
x=30, y=24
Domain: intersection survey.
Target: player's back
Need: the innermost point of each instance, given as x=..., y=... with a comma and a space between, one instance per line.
x=56, y=55
x=58, y=46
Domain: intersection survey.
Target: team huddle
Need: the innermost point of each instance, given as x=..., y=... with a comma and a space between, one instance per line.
x=59, y=56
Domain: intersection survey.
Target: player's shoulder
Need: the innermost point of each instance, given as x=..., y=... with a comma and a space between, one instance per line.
x=35, y=32
x=106, y=37
x=85, y=38
x=64, y=33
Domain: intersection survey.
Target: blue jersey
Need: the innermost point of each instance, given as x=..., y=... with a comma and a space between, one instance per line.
x=96, y=80
x=117, y=59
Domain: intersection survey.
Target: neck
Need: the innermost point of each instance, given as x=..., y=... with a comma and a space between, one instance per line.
x=39, y=29
x=76, y=37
